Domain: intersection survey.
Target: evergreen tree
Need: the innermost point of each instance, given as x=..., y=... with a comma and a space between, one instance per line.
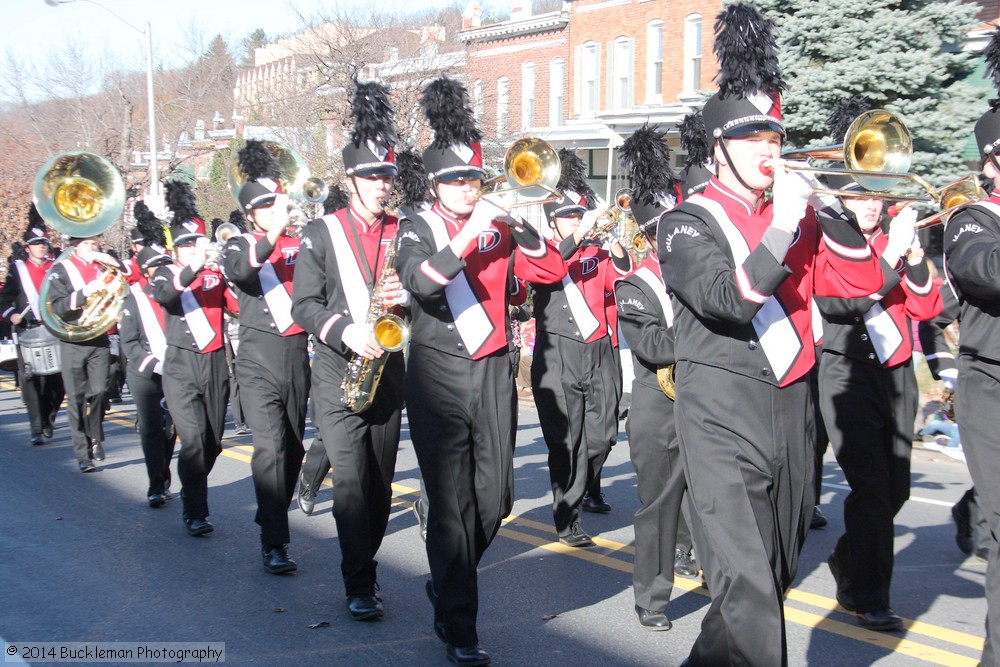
x=905, y=56
x=255, y=40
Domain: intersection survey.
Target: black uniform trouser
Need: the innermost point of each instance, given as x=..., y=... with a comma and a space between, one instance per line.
x=362, y=450
x=869, y=413
x=85, y=377
x=316, y=463
x=197, y=389
x=461, y=417
x=576, y=393
x=157, y=447
x=822, y=437
x=747, y=449
x=656, y=456
x=976, y=408
x=273, y=374
x=42, y=396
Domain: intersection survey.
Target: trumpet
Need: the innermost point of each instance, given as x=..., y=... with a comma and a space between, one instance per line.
x=213, y=254
x=612, y=217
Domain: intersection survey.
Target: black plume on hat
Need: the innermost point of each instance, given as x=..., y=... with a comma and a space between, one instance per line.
x=694, y=141
x=844, y=112
x=236, y=218
x=646, y=156
x=336, y=199
x=372, y=113
x=747, y=53
x=446, y=104
x=17, y=251
x=181, y=201
x=255, y=161
x=988, y=126
x=149, y=226
x=36, y=230
x=412, y=186
x=573, y=177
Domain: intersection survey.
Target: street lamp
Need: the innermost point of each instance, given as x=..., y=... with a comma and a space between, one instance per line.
x=154, y=175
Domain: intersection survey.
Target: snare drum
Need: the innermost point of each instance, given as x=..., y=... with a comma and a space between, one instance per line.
x=39, y=352
x=8, y=355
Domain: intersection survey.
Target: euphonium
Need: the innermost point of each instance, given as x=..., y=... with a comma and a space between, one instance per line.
x=391, y=332
x=665, y=379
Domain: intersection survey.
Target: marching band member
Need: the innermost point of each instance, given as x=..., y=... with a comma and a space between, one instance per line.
x=130, y=268
x=743, y=271
x=455, y=259
x=971, y=249
x=868, y=397
x=341, y=269
x=574, y=376
x=42, y=394
x=85, y=364
x=272, y=366
x=646, y=318
x=197, y=382
x=145, y=345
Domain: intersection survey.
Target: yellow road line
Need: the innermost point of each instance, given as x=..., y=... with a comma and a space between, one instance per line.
x=891, y=642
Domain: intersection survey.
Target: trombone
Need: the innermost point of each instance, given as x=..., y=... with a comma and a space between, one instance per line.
x=876, y=153
x=951, y=198
x=531, y=168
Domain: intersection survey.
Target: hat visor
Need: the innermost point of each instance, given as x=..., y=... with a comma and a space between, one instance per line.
x=568, y=211
x=460, y=175
x=187, y=238
x=381, y=170
x=744, y=131
x=36, y=241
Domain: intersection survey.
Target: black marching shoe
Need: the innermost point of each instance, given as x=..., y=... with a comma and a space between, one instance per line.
x=656, y=621
x=97, y=450
x=595, y=504
x=365, y=607
x=156, y=499
x=883, y=620
x=276, y=560
x=306, y=497
x=576, y=537
x=87, y=466
x=963, y=526
x=198, y=527
x=468, y=656
x=818, y=520
x=36, y=441
x=684, y=563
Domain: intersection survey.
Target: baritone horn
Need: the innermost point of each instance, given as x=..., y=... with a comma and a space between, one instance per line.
x=531, y=168
x=876, y=152
x=82, y=195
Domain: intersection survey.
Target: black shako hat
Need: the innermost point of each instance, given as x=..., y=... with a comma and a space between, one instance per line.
x=455, y=153
x=988, y=126
x=750, y=83
x=578, y=196
x=37, y=231
x=697, y=171
x=371, y=151
x=646, y=157
x=187, y=224
x=263, y=176
x=152, y=234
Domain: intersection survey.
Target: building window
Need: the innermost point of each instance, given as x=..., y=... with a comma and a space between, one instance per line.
x=502, y=86
x=692, y=53
x=621, y=74
x=590, y=77
x=527, y=95
x=477, y=99
x=557, y=89
x=654, y=62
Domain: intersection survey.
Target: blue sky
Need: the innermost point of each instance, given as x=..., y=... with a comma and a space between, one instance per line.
x=30, y=28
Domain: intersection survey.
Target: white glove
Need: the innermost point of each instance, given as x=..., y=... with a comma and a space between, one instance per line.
x=93, y=286
x=356, y=337
x=103, y=258
x=84, y=254
x=792, y=190
x=200, y=254
x=901, y=232
x=588, y=222
x=484, y=214
x=949, y=382
x=403, y=299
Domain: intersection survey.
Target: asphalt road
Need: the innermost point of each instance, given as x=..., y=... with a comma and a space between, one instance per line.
x=85, y=559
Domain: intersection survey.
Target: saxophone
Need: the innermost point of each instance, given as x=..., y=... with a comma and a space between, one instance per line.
x=391, y=332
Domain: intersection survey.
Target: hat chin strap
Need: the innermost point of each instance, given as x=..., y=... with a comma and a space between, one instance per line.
x=732, y=167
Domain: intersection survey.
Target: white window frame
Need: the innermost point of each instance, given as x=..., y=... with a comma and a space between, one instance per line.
x=621, y=73
x=478, y=106
x=503, y=92
x=557, y=91
x=654, y=62
x=692, y=52
x=588, y=72
x=527, y=95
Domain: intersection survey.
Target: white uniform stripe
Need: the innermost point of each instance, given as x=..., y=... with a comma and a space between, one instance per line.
x=656, y=285
x=430, y=272
x=326, y=328
x=150, y=324
x=883, y=332
x=845, y=251
x=580, y=308
x=276, y=295
x=28, y=285
x=354, y=285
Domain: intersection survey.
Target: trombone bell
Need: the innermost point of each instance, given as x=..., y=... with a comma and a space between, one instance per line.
x=532, y=168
